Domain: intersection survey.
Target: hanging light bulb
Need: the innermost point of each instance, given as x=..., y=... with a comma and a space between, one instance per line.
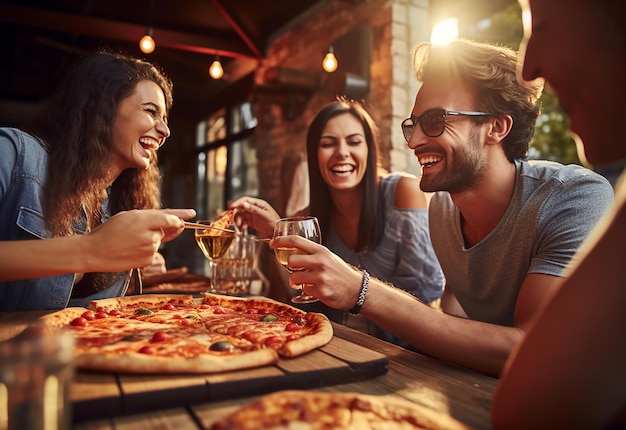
x=329, y=63
x=216, y=71
x=146, y=44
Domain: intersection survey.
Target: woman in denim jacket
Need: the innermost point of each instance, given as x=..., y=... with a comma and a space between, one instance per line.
x=92, y=155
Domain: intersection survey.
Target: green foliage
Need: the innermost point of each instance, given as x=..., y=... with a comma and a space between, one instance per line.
x=552, y=140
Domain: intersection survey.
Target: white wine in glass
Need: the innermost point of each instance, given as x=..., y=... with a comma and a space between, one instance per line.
x=307, y=227
x=214, y=243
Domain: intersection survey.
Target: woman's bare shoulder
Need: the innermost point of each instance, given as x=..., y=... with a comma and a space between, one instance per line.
x=408, y=193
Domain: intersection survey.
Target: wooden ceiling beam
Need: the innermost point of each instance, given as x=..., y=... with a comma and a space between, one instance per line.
x=121, y=31
x=238, y=28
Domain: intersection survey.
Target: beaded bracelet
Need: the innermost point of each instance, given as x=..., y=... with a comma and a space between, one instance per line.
x=359, y=303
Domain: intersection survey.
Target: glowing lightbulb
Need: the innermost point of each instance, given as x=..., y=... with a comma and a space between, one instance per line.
x=329, y=63
x=215, y=70
x=146, y=44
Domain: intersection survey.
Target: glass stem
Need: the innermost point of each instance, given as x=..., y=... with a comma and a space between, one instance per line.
x=213, y=266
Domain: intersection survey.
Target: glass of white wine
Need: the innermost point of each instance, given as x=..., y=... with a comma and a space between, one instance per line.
x=308, y=227
x=214, y=242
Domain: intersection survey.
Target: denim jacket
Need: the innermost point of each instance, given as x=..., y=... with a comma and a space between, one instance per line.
x=23, y=165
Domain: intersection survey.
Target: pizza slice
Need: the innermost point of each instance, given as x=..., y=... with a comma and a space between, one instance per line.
x=293, y=409
x=225, y=220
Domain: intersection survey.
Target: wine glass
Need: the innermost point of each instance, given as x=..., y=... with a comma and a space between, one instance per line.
x=308, y=227
x=214, y=242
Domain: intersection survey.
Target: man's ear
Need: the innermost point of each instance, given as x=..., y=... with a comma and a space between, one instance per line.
x=499, y=128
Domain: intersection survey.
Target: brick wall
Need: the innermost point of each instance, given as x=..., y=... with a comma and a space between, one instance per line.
x=396, y=25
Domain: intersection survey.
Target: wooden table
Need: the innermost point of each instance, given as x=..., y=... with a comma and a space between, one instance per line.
x=351, y=362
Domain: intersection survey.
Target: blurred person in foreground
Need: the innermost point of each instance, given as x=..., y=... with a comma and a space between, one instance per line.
x=372, y=219
x=570, y=370
x=503, y=228
x=77, y=179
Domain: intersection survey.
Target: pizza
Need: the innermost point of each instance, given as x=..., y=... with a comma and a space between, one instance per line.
x=177, y=333
x=224, y=221
x=311, y=410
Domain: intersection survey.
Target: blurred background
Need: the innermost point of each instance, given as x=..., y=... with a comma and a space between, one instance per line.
x=249, y=76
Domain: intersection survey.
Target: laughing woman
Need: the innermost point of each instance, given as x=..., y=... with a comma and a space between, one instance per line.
x=90, y=156
x=373, y=220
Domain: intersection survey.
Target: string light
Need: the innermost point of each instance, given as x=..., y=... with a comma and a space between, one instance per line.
x=216, y=71
x=146, y=44
x=330, y=63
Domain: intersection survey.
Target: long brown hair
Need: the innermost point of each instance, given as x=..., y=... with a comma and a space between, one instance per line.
x=76, y=127
x=321, y=203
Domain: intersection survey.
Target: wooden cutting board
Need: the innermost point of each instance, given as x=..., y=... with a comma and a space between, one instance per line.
x=102, y=395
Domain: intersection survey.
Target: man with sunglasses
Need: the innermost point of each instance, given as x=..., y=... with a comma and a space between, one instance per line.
x=503, y=228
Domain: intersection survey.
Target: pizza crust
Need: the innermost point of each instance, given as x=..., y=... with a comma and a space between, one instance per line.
x=323, y=335
x=62, y=317
x=144, y=364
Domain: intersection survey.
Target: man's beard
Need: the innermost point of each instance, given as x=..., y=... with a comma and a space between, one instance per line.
x=463, y=168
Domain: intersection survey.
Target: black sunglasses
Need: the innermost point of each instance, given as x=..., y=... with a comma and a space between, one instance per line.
x=433, y=121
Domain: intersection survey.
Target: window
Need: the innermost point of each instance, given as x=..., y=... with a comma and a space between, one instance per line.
x=227, y=162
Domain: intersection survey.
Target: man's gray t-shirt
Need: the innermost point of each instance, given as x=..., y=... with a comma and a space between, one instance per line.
x=552, y=210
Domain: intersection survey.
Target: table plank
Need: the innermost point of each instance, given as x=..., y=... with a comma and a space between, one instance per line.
x=95, y=425
x=152, y=392
x=314, y=361
x=95, y=392
x=170, y=419
x=236, y=384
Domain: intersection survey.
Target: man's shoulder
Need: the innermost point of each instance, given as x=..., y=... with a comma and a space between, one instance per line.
x=544, y=171
x=441, y=202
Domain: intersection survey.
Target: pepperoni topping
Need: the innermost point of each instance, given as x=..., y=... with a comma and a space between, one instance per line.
x=89, y=315
x=147, y=350
x=292, y=327
x=219, y=310
x=160, y=336
x=100, y=315
x=79, y=322
x=169, y=307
